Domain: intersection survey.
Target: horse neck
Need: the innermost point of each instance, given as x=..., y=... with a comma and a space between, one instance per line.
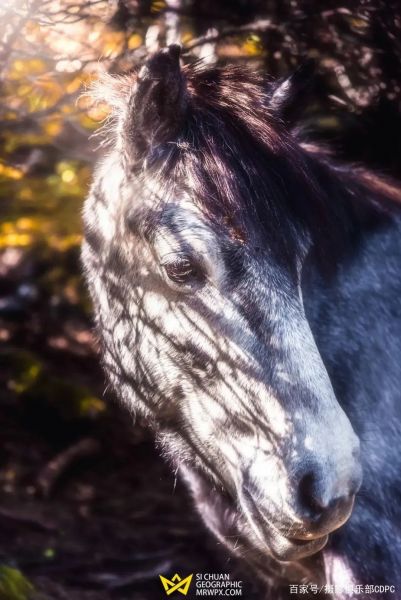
x=352, y=299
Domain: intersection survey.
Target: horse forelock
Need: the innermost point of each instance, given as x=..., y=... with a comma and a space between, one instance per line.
x=234, y=155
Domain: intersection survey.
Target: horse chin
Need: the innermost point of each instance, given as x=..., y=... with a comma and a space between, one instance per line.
x=287, y=549
x=284, y=548
x=281, y=547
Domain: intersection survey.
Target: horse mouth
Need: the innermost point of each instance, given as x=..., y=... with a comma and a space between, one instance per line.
x=283, y=547
x=291, y=549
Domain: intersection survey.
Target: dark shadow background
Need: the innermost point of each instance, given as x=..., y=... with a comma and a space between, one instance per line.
x=87, y=508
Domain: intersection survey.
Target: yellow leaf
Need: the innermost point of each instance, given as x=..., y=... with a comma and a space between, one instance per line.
x=25, y=194
x=68, y=176
x=10, y=172
x=113, y=43
x=74, y=85
x=87, y=122
x=33, y=66
x=16, y=240
x=91, y=405
x=186, y=37
x=53, y=127
x=64, y=243
x=19, y=66
x=99, y=112
x=36, y=66
x=67, y=109
x=134, y=41
x=253, y=45
x=24, y=224
x=24, y=89
x=157, y=6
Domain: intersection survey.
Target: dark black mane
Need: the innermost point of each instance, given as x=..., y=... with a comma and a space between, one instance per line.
x=238, y=155
x=235, y=153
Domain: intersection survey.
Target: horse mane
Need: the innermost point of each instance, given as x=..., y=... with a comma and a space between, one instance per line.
x=234, y=141
x=383, y=187
x=245, y=145
x=245, y=95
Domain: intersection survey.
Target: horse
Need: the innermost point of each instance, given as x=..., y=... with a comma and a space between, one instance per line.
x=246, y=288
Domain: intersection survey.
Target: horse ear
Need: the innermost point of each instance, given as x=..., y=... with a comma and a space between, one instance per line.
x=289, y=95
x=158, y=106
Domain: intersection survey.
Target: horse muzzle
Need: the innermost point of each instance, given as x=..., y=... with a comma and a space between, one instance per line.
x=299, y=526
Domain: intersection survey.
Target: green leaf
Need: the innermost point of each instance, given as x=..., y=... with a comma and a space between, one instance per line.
x=14, y=585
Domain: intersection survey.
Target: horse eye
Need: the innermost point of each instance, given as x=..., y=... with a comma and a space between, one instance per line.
x=181, y=270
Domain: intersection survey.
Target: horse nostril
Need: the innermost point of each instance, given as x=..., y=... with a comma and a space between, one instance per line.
x=310, y=499
x=318, y=496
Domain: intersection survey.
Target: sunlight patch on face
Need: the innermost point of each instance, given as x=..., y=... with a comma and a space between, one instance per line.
x=104, y=214
x=102, y=297
x=283, y=374
x=156, y=307
x=187, y=231
x=308, y=443
x=275, y=342
x=251, y=395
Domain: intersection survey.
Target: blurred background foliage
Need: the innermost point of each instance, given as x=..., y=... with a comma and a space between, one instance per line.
x=53, y=410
